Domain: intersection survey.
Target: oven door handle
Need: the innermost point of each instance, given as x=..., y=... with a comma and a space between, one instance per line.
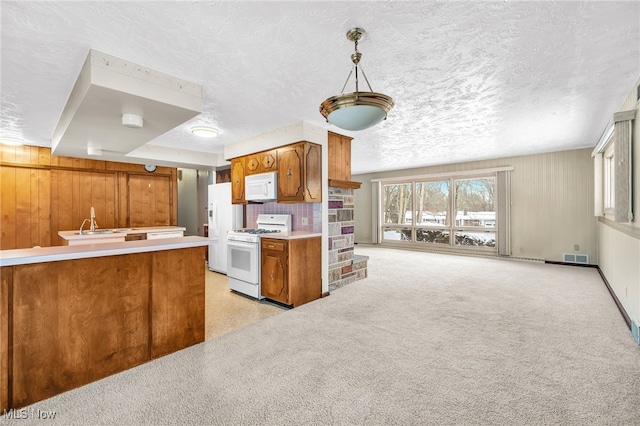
x=241, y=244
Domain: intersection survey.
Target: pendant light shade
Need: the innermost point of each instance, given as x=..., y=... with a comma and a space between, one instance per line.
x=356, y=110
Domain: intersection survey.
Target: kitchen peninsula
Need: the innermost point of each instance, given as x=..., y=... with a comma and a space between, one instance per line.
x=70, y=315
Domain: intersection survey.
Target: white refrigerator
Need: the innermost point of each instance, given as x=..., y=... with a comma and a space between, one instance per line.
x=223, y=217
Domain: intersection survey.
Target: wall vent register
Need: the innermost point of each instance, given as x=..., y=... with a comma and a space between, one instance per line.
x=575, y=258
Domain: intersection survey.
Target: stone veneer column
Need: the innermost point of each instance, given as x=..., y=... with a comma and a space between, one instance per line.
x=343, y=267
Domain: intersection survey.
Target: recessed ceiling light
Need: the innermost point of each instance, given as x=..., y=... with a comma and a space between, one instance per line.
x=132, y=120
x=204, y=131
x=11, y=141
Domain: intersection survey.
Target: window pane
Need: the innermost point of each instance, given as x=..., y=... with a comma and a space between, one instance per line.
x=433, y=236
x=475, y=239
x=395, y=234
x=432, y=203
x=475, y=202
x=397, y=203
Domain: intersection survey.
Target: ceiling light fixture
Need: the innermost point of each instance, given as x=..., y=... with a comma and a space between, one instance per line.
x=204, y=131
x=11, y=141
x=131, y=120
x=357, y=110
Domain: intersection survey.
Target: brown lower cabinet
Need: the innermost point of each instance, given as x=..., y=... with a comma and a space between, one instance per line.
x=291, y=270
x=68, y=323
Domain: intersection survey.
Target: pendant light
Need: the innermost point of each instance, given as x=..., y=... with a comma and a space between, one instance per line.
x=356, y=110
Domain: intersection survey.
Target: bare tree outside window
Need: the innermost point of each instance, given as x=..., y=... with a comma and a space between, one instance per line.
x=397, y=203
x=432, y=203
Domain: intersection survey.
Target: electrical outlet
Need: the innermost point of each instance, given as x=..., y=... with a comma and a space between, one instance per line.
x=305, y=221
x=576, y=247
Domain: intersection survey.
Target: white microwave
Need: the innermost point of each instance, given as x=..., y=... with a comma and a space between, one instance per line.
x=260, y=187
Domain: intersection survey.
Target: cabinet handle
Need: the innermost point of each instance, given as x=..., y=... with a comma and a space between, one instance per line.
x=272, y=276
x=289, y=174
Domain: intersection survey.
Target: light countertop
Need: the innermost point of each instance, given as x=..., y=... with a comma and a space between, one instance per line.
x=56, y=253
x=73, y=235
x=293, y=235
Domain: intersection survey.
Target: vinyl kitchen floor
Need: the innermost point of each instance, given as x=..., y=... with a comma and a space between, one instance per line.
x=226, y=311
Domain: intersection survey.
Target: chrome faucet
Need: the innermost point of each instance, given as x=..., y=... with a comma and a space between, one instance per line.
x=93, y=224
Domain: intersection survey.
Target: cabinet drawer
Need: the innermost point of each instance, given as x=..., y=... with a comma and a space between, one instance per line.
x=274, y=245
x=164, y=234
x=135, y=237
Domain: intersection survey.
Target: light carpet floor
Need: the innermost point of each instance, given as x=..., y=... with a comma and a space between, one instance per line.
x=426, y=339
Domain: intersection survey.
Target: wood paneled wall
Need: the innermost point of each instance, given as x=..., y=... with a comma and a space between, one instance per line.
x=42, y=194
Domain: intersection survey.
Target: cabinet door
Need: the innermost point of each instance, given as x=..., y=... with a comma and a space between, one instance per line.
x=339, y=149
x=253, y=164
x=223, y=176
x=149, y=200
x=237, y=181
x=312, y=173
x=269, y=161
x=290, y=173
x=274, y=281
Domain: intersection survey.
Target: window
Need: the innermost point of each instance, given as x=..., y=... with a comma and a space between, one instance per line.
x=453, y=212
x=475, y=212
x=613, y=169
x=397, y=202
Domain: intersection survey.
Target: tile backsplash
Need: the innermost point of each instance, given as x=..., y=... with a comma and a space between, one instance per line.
x=298, y=211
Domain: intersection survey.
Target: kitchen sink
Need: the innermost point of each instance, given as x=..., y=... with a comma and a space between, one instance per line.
x=101, y=231
x=123, y=229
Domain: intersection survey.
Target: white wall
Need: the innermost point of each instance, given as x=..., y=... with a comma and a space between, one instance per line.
x=619, y=244
x=551, y=195
x=620, y=264
x=188, y=200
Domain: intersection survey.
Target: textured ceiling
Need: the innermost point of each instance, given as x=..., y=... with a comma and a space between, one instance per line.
x=471, y=79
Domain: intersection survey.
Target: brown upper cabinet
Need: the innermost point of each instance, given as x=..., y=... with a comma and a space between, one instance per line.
x=298, y=167
x=223, y=176
x=237, y=180
x=261, y=162
x=339, y=150
x=300, y=173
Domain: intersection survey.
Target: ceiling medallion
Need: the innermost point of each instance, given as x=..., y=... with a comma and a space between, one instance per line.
x=356, y=110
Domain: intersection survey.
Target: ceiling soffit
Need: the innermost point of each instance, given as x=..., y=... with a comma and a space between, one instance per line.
x=108, y=87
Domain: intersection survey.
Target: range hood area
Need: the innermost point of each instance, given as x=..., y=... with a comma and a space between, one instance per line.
x=117, y=106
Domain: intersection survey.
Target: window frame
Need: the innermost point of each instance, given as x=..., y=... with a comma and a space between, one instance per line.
x=609, y=179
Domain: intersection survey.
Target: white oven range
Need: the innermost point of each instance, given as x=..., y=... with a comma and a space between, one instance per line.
x=243, y=253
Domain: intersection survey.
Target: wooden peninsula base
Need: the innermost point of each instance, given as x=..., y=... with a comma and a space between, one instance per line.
x=67, y=323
